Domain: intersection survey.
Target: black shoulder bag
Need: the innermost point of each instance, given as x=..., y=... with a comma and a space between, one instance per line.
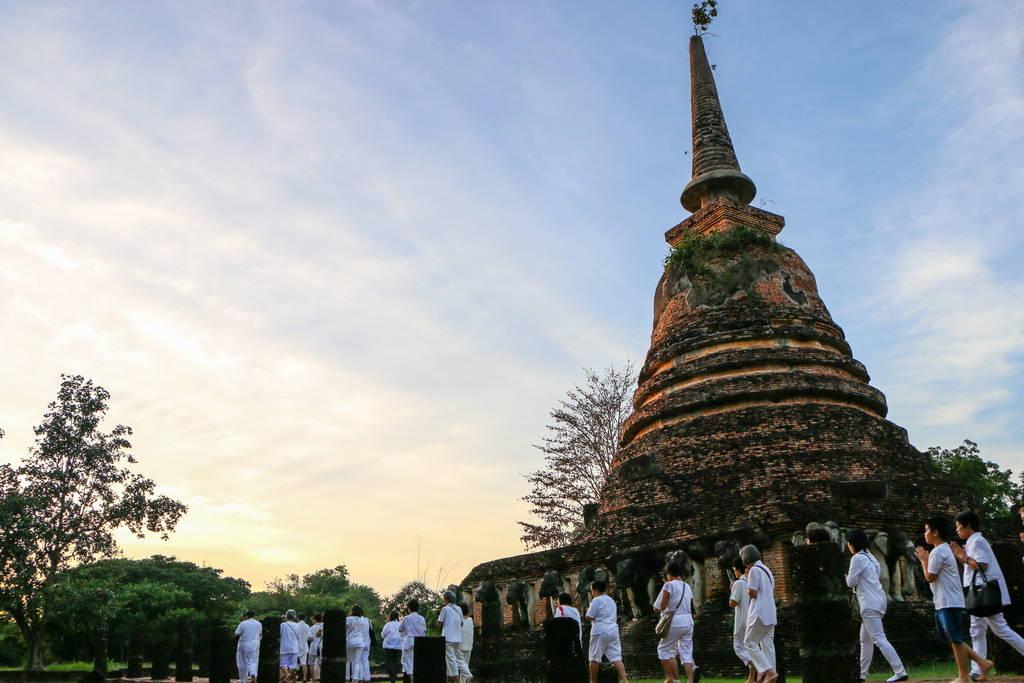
x=984, y=599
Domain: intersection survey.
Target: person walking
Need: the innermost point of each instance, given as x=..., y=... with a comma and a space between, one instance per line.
x=466, y=644
x=371, y=640
x=289, y=649
x=392, y=647
x=761, y=617
x=864, y=580
x=604, y=632
x=677, y=596
x=316, y=635
x=302, y=668
x=940, y=571
x=980, y=563
x=412, y=625
x=355, y=642
x=247, y=655
x=450, y=620
x=739, y=600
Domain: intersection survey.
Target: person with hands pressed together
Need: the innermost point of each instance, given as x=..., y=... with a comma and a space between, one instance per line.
x=940, y=571
x=980, y=564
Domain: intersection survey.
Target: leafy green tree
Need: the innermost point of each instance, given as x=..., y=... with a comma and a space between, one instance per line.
x=703, y=14
x=430, y=604
x=996, y=487
x=65, y=502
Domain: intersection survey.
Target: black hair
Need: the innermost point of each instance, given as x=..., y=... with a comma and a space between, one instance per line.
x=969, y=518
x=357, y=611
x=302, y=616
x=413, y=605
x=738, y=565
x=599, y=585
x=939, y=525
x=674, y=569
x=564, y=599
x=393, y=616
x=465, y=609
x=249, y=614
x=318, y=617
x=818, y=534
x=858, y=538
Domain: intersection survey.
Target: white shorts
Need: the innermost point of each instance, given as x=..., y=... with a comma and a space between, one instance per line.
x=288, y=659
x=606, y=644
x=679, y=641
x=407, y=660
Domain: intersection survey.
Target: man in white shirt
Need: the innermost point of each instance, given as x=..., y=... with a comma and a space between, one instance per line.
x=303, y=642
x=450, y=620
x=247, y=655
x=316, y=633
x=761, y=615
x=940, y=571
x=739, y=600
x=604, y=632
x=412, y=625
x=289, y=650
x=979, y=564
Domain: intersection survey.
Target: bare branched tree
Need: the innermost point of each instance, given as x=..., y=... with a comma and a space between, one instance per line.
x=580, y=446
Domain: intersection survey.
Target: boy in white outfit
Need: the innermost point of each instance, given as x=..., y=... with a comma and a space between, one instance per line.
x=450, y=620
x=739, y=600
x=604, y=633
x=249, y=633
x=412, y=625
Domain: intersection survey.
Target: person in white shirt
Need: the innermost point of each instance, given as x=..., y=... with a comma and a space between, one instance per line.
x=316, y=634
x=247, y=656
x=761, y=619
x=466, y=644
x=412, y=626
x=604, y=632
x=289, y=651
x=565, y=610
x=450, y=620
x=940, y=571
x=739, y=600
x=677, y=597
x=864, y=580
x=356, y=638
x=303, y=640
x=979, y=564
x=368, y=639
x=392, y=647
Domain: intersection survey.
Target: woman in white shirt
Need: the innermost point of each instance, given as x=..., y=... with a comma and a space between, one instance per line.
x=356, y=636
x=392, y=647
x=676, y=596
x=761, y=616
x=864, y=580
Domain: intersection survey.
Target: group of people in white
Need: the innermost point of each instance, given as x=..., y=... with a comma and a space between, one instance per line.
x=752, y=598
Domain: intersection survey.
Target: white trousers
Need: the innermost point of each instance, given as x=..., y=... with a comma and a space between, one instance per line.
x=247, y=662
x=739, y=646
x=454, y=661
x=871, y=635
x=354, y=664
x=760, y=640
x=979, y=636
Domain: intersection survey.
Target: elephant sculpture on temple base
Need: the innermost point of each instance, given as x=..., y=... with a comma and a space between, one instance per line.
x=459, y=595
x=588, y=575
x=486, y=593
x=894, y=543
x=515, y=595
x=727, y=553
x=632, y=582
x=551, y=587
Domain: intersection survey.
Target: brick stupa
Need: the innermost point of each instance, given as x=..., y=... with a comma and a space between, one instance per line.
x=752, y=419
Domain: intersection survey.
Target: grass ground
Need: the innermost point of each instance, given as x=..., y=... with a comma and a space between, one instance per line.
x=939, y=670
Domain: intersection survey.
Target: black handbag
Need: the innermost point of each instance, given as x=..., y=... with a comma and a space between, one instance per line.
x=984, y=599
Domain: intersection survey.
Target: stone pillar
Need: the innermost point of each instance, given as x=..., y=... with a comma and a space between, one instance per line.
x=136, y=651
x=564, y=652
x=99, y=665
x=826, y=631
x=161, y=650
x=332, y=647
x=486, y=663
x=222, y=656
x=203, y=653
x=429, y=660
x=183, y=662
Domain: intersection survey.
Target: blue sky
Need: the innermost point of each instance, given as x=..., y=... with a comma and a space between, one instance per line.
x=336, y=261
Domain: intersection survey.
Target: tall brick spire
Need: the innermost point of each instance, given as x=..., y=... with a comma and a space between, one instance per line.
x=716, y=172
